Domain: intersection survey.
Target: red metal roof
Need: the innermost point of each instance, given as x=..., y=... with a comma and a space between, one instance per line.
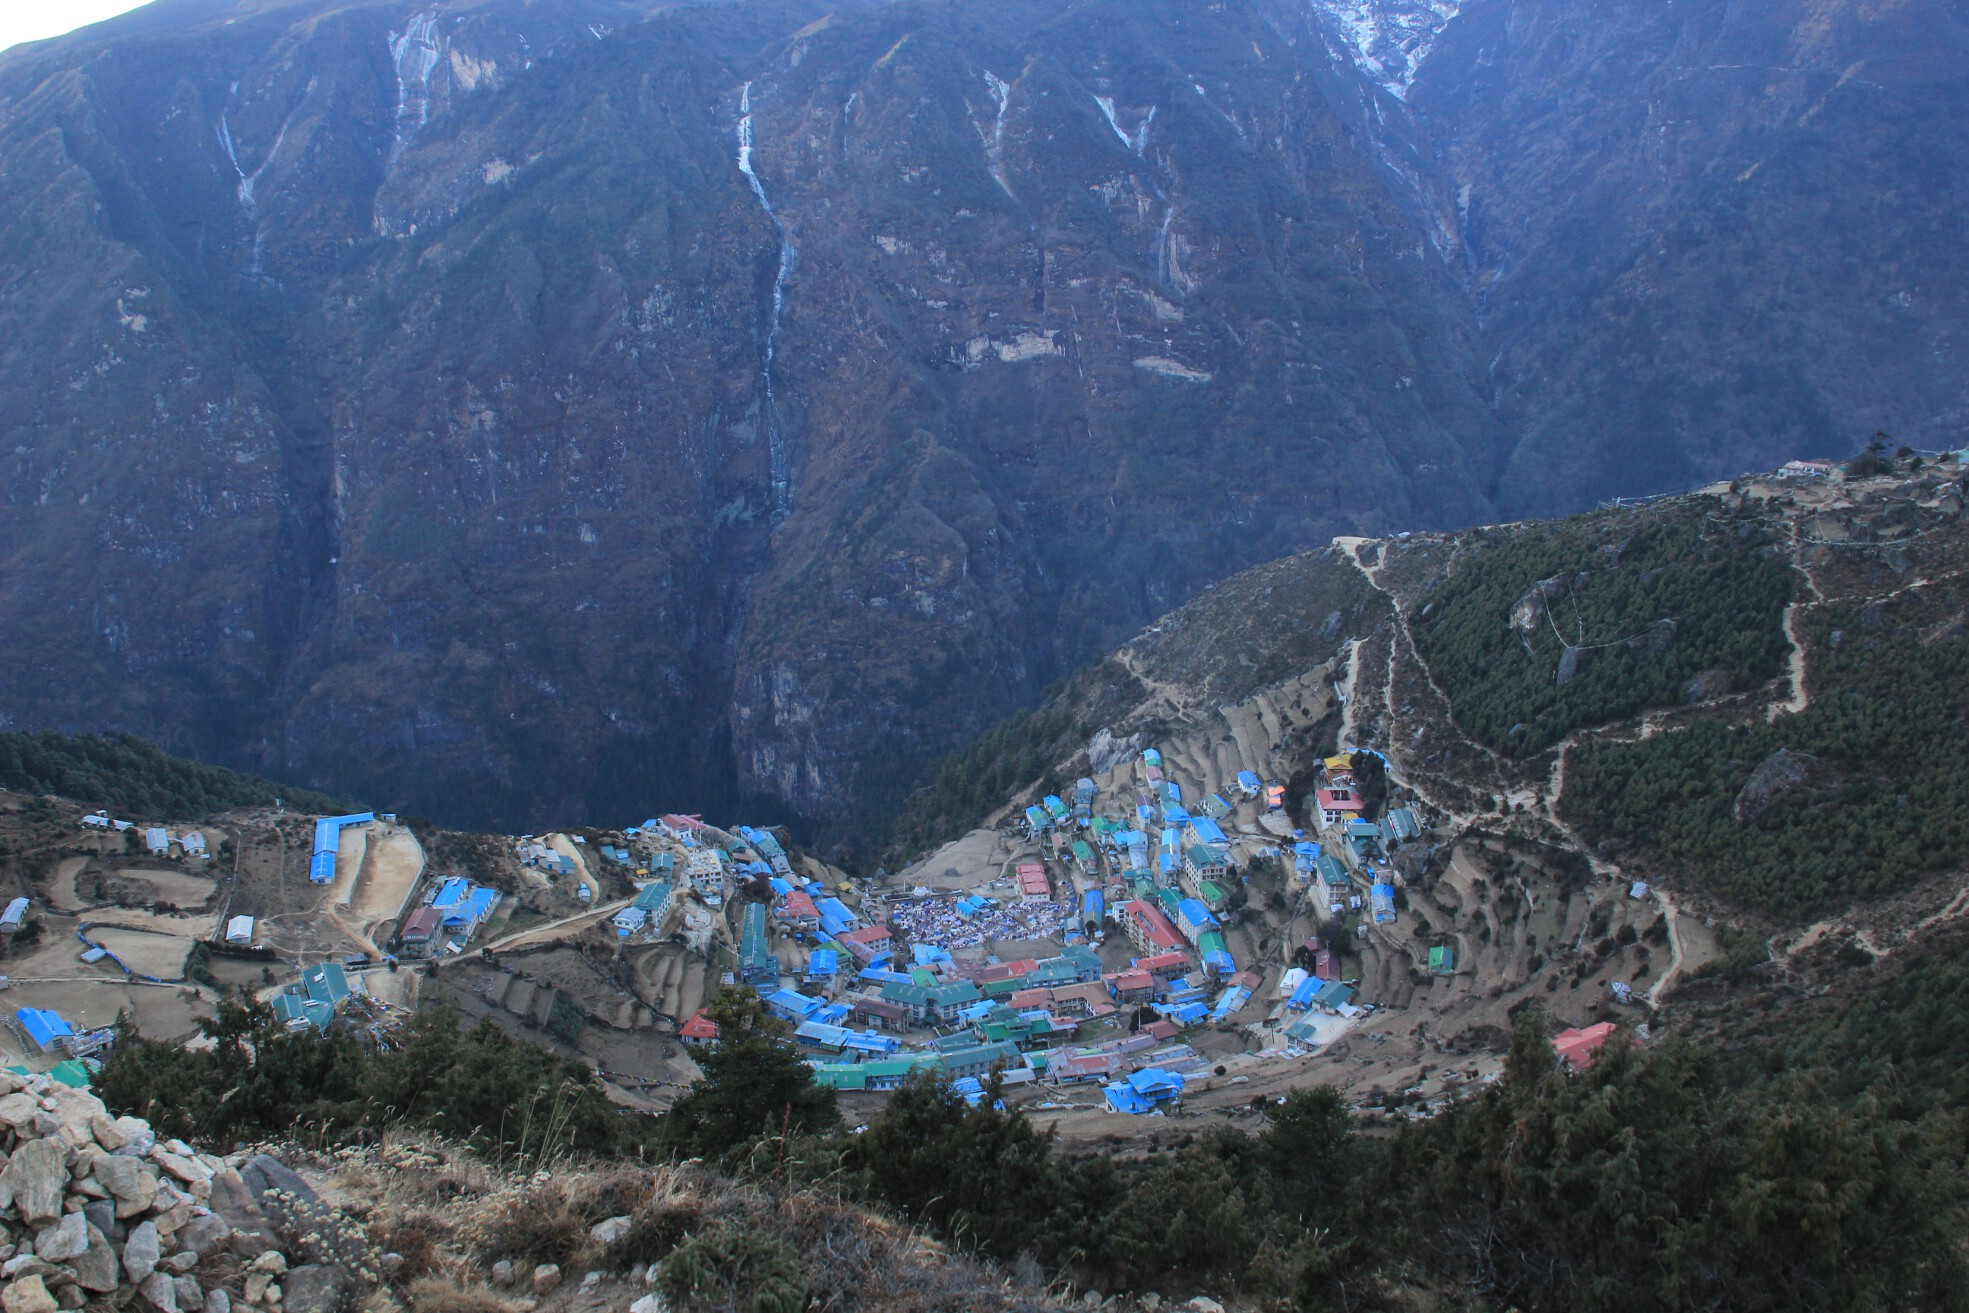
x=700, y=1026
x=1155, y=925
x=1579, y=1048
x=799, y=904
x=1164, y=963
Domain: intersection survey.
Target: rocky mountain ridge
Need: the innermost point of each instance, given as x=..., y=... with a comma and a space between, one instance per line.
x=753, y=401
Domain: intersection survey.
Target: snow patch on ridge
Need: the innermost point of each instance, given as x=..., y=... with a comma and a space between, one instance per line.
x=415, y=53
x=1388, y=40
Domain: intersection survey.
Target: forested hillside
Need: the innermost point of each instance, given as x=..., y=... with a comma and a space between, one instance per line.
x=1599, y=618
x=128, y=774
x=1852, y=798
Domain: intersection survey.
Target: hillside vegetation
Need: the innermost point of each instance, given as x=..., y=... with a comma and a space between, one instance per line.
x=1647, y=1182
x=127, y=774
x=1596, y=619
x=1872, y=792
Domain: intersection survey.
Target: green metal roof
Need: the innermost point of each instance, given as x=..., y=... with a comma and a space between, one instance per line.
x=71, y=1073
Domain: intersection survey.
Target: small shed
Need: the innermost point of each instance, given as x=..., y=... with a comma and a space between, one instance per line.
x=239, y=930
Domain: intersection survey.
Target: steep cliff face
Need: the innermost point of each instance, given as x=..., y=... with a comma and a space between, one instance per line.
x=517, y=411
x=513, y=413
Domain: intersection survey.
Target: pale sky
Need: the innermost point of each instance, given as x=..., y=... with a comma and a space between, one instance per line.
x=31, y=20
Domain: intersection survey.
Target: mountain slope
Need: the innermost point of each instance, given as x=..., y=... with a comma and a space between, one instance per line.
x=519, y=411
x=1019, y=330
x=1705, y=237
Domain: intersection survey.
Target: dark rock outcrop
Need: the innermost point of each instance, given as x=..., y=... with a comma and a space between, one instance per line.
x=1782, y=773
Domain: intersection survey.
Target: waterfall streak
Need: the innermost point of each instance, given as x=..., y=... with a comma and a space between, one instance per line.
x=778, y=463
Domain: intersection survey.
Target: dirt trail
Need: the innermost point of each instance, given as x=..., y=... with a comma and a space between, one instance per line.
x=552, y=929
x=1799, y=699
x=61, y=890
x=1350, y=699
x=1675, y=953
x=1177, y=698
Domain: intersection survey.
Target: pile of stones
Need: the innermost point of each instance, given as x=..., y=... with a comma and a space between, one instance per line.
x=97, y=1210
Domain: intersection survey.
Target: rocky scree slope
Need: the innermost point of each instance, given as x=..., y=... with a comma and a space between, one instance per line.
x=748, y=402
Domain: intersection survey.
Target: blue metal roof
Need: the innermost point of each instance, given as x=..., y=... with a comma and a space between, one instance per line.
x=472, y=909
x=42, y=1026
x=791, y=1001
x=1193, y=911
x=1208, y=831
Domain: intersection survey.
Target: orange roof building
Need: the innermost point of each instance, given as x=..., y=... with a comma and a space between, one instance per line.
x=1578, y=1048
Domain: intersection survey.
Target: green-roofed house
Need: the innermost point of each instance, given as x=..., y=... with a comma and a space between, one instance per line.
x=71, y=1073
x=757, y=965
x=889, y=1073
x=1004, y=1026
x=326, y=983
x=885, y=1074
x=928, y=1003
x=980, y=1059
x=1442, y=960
x=841, y=1075
x=1212, y=894
x=298, y=1011
x=1334, y=879
x=1204, y=862
x=1401, y=825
